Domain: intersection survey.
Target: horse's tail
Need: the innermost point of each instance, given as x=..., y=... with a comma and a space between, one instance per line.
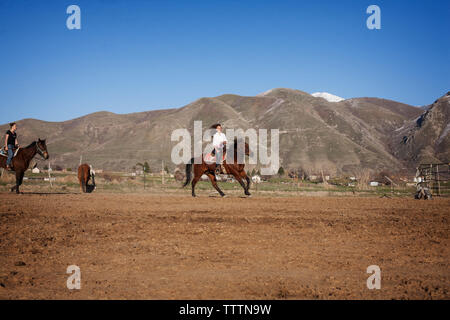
x=188, y=172
x=92, y=173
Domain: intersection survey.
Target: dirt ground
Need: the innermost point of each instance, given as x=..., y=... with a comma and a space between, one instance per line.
x=142, y=246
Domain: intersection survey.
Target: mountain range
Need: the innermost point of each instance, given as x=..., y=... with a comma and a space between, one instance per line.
x=317, y=133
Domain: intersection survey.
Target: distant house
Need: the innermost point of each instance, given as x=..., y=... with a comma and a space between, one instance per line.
x=374, y=183
x=36, y=170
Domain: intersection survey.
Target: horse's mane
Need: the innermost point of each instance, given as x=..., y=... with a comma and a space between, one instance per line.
x=236, y=142
x=31, y=145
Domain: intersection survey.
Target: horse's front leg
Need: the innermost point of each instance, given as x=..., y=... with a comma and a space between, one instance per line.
x=19, y=178
x=238, y=178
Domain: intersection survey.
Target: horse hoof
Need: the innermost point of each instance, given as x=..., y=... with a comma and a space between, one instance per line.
x=249, y=195
x=224, y=195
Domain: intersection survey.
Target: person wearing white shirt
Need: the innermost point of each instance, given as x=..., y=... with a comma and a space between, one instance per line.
x=219, y=141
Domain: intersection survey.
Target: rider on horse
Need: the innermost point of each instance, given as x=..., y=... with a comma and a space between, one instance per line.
x=219, y=141
x=11, y=143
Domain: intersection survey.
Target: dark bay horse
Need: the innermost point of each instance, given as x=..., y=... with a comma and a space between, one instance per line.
x=235, y=169
x=22, y=160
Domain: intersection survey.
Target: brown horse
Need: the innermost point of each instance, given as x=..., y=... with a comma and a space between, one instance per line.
x=84, y=174
x=236, y=169
x=22, y=160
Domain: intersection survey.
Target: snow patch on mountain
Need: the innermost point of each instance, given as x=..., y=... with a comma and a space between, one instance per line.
x=263, y=94
x=327, y=96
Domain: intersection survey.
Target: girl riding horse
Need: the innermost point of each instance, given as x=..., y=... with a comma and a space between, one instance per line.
x=11, y=143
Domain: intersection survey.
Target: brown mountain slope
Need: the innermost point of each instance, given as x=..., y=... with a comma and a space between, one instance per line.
x=426, y=138
x=314, y=134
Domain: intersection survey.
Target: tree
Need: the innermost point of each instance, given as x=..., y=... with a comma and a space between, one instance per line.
x=166, y=168
x=281, y=171
x=145, y=168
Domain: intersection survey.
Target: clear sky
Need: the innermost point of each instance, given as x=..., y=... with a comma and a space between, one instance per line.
x=133, y=55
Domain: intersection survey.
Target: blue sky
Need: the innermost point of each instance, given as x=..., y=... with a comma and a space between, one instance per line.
x=132, y=56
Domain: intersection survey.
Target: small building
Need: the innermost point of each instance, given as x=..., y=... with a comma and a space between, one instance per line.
x=374, y=183
x=36, y=170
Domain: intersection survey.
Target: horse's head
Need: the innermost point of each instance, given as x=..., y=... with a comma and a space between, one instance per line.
x=41, y=148
x=247, y=151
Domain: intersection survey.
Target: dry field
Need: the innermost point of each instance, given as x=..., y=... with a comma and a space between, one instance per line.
x=168, y=246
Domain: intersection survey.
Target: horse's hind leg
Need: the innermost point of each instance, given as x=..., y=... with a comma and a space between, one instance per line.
x=244, y=176
x=88, y=176
x=82, y=186
x=194, y=182
x=212, y=177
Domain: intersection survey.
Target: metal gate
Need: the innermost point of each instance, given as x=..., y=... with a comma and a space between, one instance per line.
x=435, y=176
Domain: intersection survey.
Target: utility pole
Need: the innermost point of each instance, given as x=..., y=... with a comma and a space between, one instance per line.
x=49, y=175
x=162, y=166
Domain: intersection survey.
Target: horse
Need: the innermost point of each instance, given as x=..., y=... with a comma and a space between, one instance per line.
x=236, y=169
x=85, y=173
x=22, y=160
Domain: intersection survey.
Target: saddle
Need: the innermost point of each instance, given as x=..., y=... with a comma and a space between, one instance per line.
x=211, y=158
x=4, y=153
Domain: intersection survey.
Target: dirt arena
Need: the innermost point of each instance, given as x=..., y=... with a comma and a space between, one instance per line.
x=142, y=246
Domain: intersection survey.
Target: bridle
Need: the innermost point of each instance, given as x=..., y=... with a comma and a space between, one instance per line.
x=39, y=150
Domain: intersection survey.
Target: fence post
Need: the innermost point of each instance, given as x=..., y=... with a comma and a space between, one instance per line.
x=162, y=167
x=437, y=178
x=49, y=175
